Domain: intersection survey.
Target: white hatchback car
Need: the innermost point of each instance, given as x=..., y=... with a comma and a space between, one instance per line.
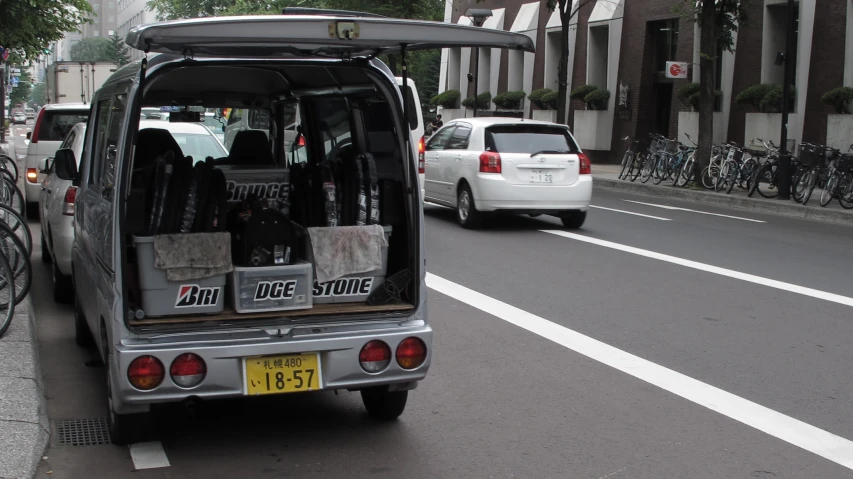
x=479, y=165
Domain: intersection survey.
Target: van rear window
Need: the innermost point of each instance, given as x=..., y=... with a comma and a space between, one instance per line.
x=529, y=139
x=55, y=125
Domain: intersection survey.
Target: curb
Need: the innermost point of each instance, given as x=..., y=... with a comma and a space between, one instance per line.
x=773, y=207
x=24, y=427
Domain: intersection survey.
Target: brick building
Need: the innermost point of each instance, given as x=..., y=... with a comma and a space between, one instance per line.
x=623, y=46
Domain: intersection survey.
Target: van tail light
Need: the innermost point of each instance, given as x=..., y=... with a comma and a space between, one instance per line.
x=300, y=141
x=188, y=370
x=145, y=373
x=490, y=162
x=68, y=207
x=411, y=353
x=34, y=138
x=585, y=167
x=32, y=175
x=421, y=152
x=375, y=356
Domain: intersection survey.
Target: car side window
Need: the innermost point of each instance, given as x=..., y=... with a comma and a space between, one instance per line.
x=459, y=139
x=102, y=119
x=69, y=140
x=439, y=140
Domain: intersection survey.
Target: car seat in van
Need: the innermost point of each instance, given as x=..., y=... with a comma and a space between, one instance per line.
x=151, y=143
x=251, y=147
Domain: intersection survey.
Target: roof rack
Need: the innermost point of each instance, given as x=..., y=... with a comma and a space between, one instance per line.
x=326, y=11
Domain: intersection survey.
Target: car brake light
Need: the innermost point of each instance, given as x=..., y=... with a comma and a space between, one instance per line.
x=188, y=370
x=585, y=167
x=70, y=198
x=32, y=175
x=34, y=138
x=375, y=356
x=411, y=353
x=300, y=141
x=145, y=373
x=490, y=162
x=421, y=150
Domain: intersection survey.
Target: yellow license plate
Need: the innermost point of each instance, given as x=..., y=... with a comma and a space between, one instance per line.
x=282, y=374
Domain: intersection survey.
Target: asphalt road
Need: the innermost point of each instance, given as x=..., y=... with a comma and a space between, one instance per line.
x=518, y=389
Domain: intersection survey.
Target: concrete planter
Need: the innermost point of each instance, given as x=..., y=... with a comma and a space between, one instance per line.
x=545, y=115
x=688, y=122
x=768, y=126
x=593, y=129
x=839, y=131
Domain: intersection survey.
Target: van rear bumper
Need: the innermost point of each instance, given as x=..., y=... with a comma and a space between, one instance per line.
x=339, y=365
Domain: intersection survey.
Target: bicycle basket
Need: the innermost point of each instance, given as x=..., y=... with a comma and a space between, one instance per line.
x=809, y=154
x=671, y=147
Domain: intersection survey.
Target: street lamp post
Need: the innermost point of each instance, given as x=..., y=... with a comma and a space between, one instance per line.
x=477, y=16
x=784, y=173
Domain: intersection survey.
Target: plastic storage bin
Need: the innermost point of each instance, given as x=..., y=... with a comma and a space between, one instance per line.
x=271, y=288
x=161, y=297
x=353, y=288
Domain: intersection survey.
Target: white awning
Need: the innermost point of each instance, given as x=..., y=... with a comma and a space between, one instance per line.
x=527, y=18
x=605, y=10
x=496, y=21
x=554, y=20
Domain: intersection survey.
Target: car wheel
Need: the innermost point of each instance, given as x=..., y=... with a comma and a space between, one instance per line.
x=63, y=290
x=466, y=210
x=573, y=219
x=384, y=404
x=33, y=211
x=45, y=254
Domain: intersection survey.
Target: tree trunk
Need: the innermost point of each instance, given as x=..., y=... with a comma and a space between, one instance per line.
x=563, y=70
x=708, y=51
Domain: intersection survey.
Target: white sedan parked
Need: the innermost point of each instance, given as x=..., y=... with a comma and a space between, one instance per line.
x=479, y=165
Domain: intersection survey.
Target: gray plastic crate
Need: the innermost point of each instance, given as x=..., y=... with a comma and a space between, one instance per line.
x=161, y=297
x=271, y=288
x=353, y=288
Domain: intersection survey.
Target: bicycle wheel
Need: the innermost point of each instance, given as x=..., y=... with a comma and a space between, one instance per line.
x=828, y=191
x=15, y=252
x=765, y=181
x=9, y=164
x=845, y=191
x=18, y=225
x=808, y=183
x=732, y=177
x=627, y=159
x=660, y=170
x=720, y=181
x=748, y=171
x=685, y=173
x=637, y=165
x=10, y=195
x=649, y=167
x=7, y=295
x=709, y=176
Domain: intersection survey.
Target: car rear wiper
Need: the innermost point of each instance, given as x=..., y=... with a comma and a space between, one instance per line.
x=553, y=152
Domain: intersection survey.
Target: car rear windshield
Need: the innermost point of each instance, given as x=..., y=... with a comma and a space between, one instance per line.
x=55, y=125
x=529, y=139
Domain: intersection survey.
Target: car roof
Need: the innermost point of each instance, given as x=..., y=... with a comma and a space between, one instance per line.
x=66, y=106
x=181, y=127
x=496, y=120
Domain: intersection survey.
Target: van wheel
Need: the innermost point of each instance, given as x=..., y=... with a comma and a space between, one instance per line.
x=384, y=404
x=62, y=287
x=573, y=219
x=82, y=335
x=124, y=429
x=45, y=254
x=33, y=211
x=466, y=210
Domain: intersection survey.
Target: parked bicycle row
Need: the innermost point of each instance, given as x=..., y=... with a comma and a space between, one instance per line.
x=16, y=244
x=754, y=169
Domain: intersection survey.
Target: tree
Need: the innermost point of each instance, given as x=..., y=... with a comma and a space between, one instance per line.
x=118, y=51
x=29, y=26
x=717, y=20
x=21, y=93
x=96, y=49
x=38, y=95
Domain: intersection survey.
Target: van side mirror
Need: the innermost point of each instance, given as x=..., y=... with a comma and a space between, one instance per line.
x=44, y=165
x=65, y=164
x=29, y=135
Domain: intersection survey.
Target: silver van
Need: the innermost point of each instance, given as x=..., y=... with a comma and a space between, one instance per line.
x=326, y=63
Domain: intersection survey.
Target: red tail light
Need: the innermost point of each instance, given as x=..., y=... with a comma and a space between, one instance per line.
x=490, y=162
x=375, y=356
x=188, y=370
x=585, y=167
x=34, y=138
x=411, y=353
x=70, y=198
x=421, y=151
x=145, y=373
x=300, y=141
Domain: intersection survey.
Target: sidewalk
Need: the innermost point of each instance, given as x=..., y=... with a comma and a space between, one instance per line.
x=606, y=176
x=24, y=428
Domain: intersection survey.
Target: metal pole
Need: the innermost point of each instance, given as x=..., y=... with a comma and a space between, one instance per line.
x=784, y=173
x=476, y=77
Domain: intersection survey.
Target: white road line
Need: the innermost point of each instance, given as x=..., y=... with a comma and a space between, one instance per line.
x=695, y=211
x=630, y=213
x=148, y=455
x=772, y=283
x=825, y=444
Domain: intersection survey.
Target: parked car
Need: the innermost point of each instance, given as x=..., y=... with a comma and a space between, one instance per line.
x=507, y=165
x=268, y=61
x=19, y=118
x=30, y=113
x=52, y=126
x=195, y=139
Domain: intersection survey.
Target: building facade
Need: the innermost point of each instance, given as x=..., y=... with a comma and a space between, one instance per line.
x=624, y=46
x=132, y=13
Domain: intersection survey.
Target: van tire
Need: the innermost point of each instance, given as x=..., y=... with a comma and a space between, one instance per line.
x=32, y=211
x=466, y=210
x=63, y=289
x=45, y=253
x=383, y=404
x=82, y=335
x=573, y=219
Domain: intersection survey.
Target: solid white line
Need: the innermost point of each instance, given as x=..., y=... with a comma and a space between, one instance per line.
x=148, y=455
x=825, y=444
x=630, y=213
x=695, y=211
x=772, y=283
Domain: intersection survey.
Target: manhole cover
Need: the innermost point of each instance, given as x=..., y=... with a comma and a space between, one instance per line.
x=83, y=432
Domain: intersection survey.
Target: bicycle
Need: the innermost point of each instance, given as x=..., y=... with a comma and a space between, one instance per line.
x=15, y=247
x=765, y=180
x=632, y=160
x=650, y=162
x=806, y=175
x=685, y=172
x=840, y=171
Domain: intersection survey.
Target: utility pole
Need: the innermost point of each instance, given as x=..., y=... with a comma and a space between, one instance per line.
x=784, y=173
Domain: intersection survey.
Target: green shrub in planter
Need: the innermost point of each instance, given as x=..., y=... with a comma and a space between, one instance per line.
x=447, y=99
x=510, y=100
x=772, y=101
x=536, y=97
x=597, y=99
x=551, y=99
x=483, y=100
x=753, y=95
x=841, y=99
x=689, y=95
x=581, y=92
